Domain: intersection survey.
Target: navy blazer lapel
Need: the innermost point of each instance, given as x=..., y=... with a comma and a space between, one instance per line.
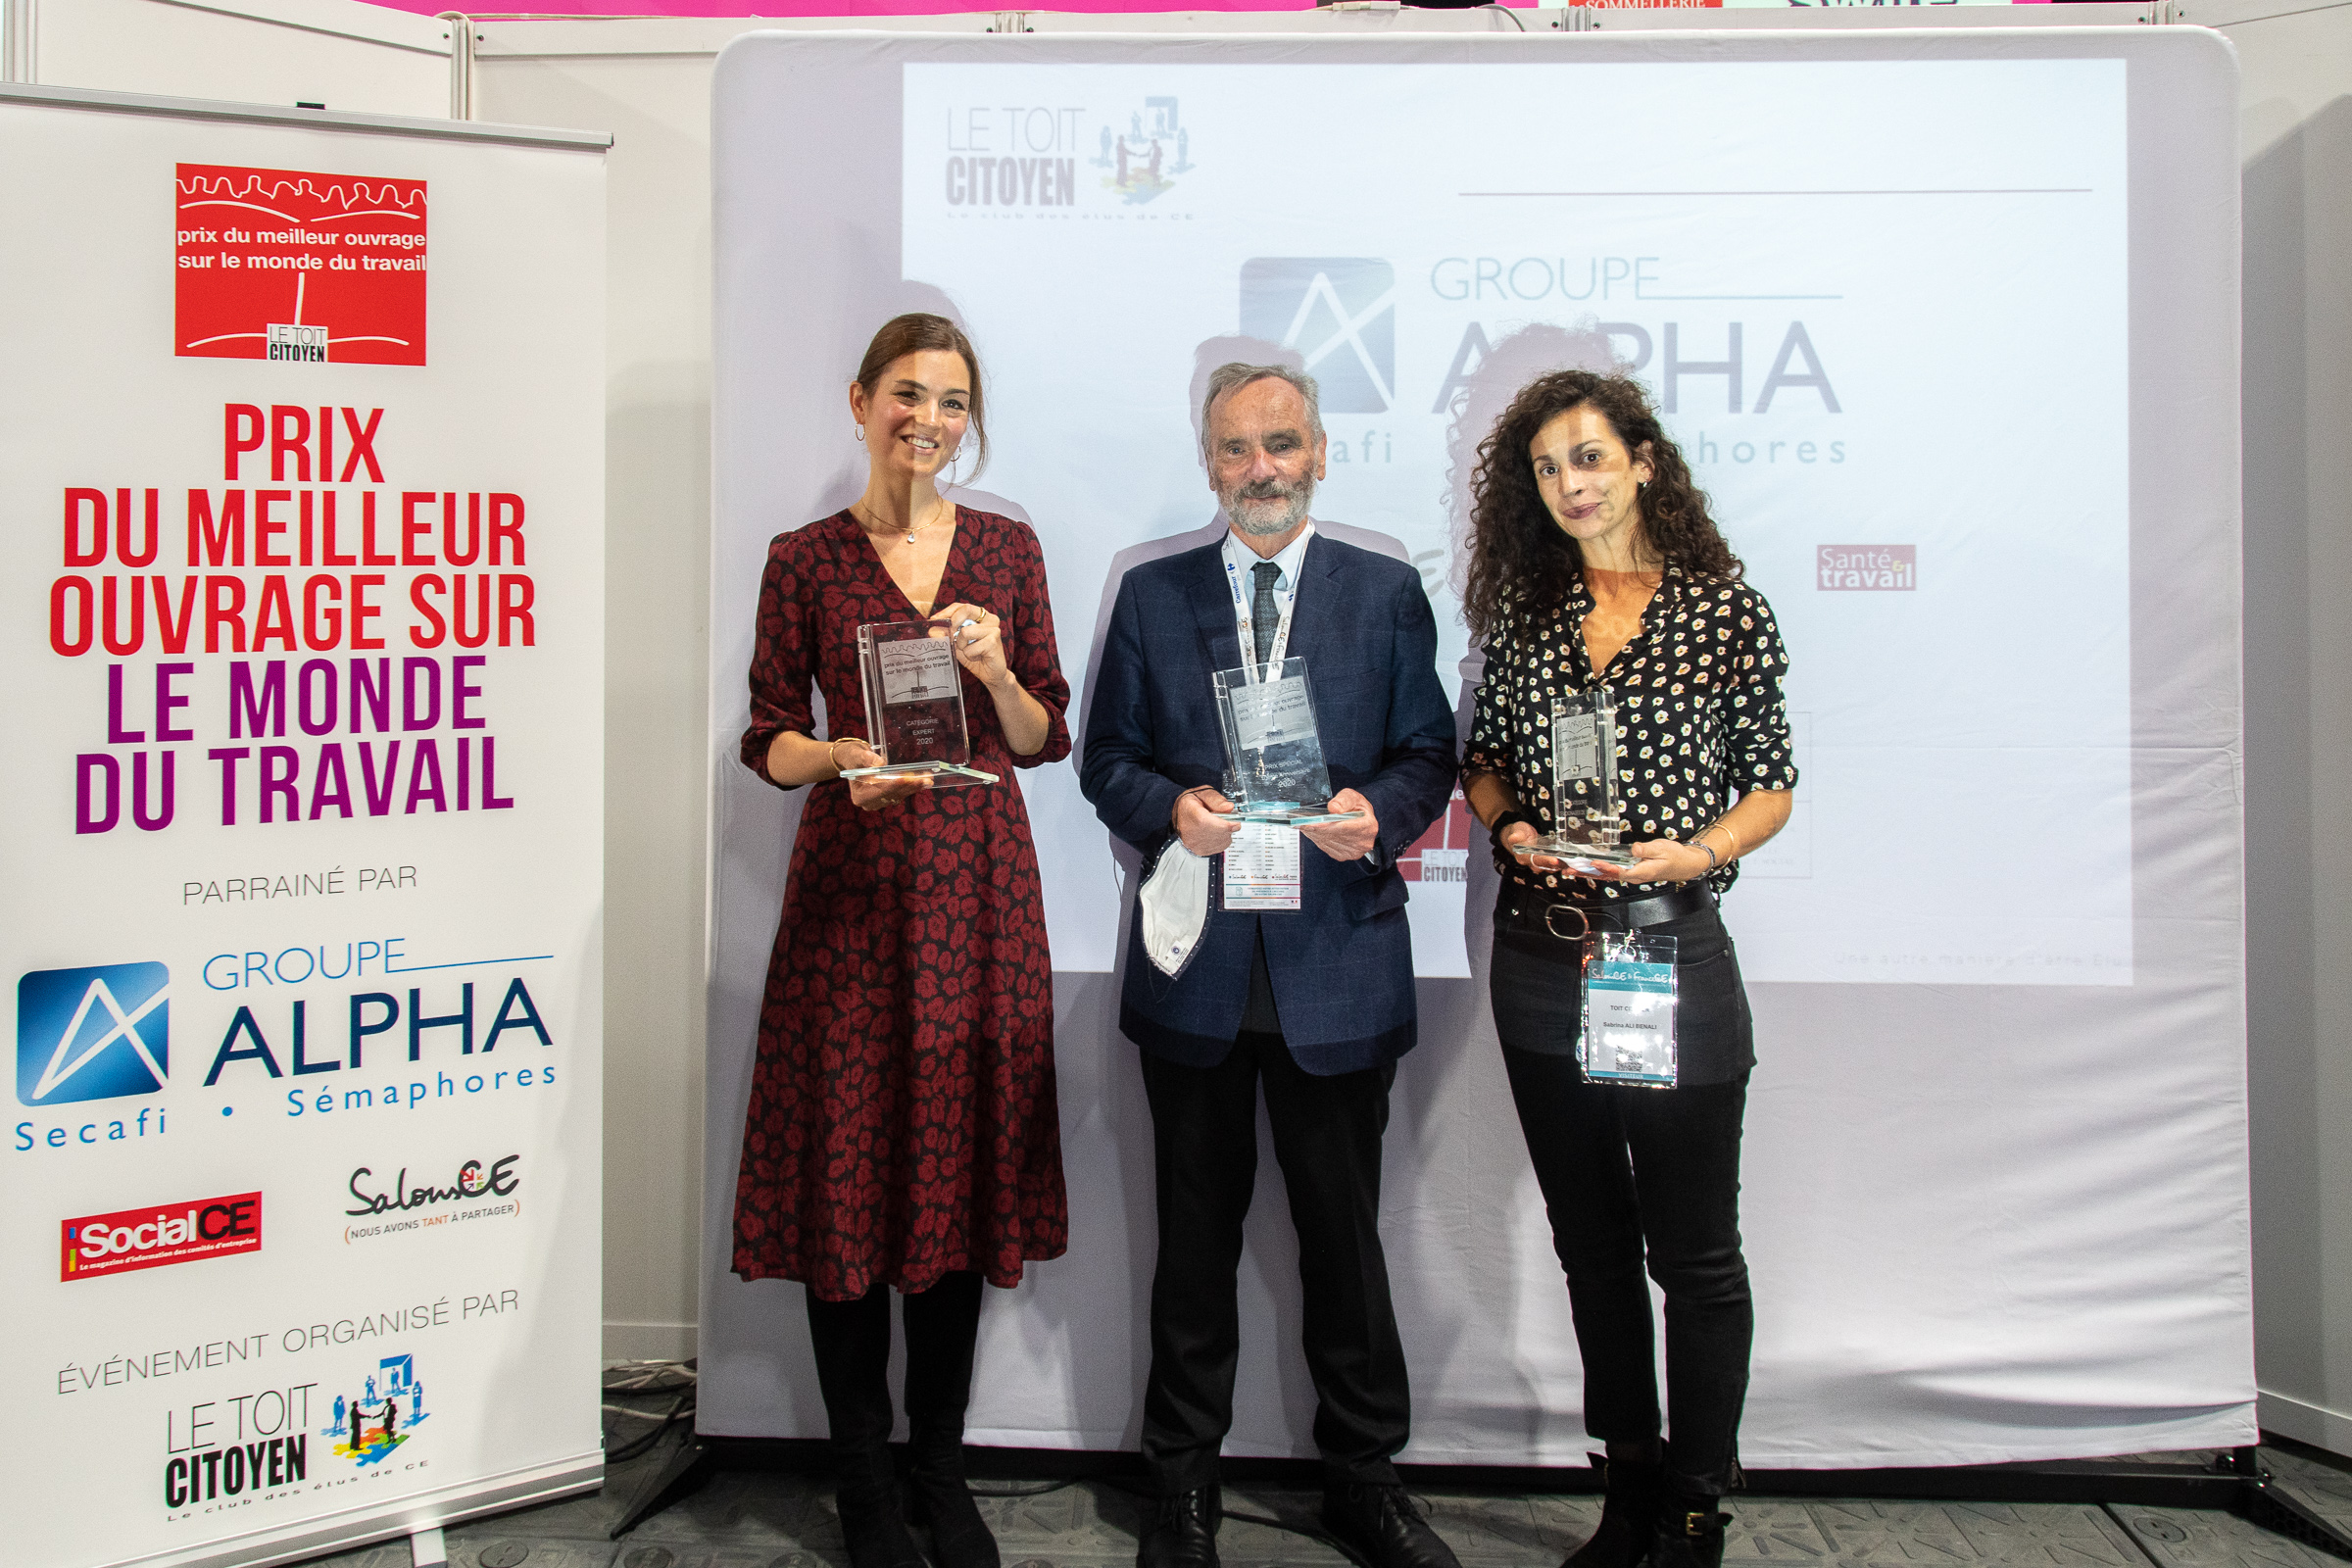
x=1212, y=609
x=1322, y=594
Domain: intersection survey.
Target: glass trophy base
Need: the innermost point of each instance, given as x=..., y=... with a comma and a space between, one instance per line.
x=1563, y=847
x=943, y=775
x=1290, y=814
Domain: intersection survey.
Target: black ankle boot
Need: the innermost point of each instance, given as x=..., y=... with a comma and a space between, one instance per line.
x=1628, y=1517
x=940, y=1497
x=865, y=1491
x=1689, y=1534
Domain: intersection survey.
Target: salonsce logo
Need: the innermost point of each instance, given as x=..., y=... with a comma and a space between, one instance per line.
x=483, y=1190
x=474, y=1180
x=1339, y=312
x=165, y=1232
x=98, y=1033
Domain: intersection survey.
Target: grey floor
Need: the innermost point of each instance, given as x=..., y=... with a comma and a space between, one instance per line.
x=750, y=1520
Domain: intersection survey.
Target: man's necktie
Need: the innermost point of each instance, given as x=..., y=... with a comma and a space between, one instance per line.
x=1263, y=617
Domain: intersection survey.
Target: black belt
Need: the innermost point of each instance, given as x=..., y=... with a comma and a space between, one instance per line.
x=1570, y=921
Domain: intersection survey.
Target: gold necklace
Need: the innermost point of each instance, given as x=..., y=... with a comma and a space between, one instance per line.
x=912, y=528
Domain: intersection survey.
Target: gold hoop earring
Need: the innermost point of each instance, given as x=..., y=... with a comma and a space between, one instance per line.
x=859, y=429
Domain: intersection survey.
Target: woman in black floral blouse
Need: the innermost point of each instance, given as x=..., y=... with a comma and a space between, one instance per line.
x=1594, y=563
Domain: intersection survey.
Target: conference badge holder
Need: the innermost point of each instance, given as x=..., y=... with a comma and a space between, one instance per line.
x=1585, y=802
x=915, y=704
x=1273, y=756
x=1630, y=999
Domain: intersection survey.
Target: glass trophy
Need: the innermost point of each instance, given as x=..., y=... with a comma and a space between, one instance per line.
x=914, y=705
x=1586, y=810
x=1273, y=758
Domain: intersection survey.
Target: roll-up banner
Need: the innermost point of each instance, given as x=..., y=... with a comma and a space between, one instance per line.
x=301, y=467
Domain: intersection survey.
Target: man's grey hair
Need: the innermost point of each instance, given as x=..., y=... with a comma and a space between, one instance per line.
x=1236, y=375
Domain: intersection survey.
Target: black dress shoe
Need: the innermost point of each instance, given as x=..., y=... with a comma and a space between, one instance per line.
x=1689, y=1534
x=1381, y=1525
x=1183, y=1532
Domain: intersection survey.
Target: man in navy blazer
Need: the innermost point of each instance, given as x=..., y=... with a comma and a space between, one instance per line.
x=1314, y=1002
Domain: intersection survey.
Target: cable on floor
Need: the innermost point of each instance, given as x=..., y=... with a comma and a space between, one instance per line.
x=1026, y=1492
x=643, y=1378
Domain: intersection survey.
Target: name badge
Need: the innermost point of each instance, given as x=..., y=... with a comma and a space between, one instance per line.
x=1262, y=867
x=1630, y=995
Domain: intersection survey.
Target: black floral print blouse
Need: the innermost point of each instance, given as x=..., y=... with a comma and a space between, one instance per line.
x=1699, y=714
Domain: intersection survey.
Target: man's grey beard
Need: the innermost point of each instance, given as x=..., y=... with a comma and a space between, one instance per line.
x=1299, y=496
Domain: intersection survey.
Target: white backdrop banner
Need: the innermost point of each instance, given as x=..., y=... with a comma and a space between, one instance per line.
x=1923, y=314
x=301, y=456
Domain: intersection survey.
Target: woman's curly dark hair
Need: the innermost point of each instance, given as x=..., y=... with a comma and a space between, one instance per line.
x=1519, y=558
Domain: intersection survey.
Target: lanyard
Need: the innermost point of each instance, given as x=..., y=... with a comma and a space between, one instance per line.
x=1287, y=598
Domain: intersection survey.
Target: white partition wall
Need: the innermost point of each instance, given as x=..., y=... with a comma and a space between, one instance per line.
x=342, y=56
x=1935, y=317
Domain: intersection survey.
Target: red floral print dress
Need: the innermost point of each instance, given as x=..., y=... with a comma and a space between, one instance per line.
x=903, y=1122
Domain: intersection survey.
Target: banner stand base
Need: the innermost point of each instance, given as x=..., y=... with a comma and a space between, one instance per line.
x=2235, y=1480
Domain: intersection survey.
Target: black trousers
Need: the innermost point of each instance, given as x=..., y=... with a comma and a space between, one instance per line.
x=1327, y=1135
x=1632, y=1176
x=851, y=1341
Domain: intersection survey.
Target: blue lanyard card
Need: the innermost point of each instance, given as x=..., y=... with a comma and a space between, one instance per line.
x=1630, y=995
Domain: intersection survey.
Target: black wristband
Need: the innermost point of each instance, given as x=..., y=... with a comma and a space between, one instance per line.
x=1516, y=813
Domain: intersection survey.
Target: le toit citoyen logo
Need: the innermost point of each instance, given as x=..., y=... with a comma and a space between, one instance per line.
x=1030, y=156
x=270, y=1441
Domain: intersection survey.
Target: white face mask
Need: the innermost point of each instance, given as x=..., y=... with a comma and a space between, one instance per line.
x=1175, y=908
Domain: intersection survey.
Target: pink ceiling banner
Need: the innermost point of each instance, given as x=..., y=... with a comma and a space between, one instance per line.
x=846, y=9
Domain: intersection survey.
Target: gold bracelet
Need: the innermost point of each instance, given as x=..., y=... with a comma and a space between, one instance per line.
x=1729, y=834
x=832, y=748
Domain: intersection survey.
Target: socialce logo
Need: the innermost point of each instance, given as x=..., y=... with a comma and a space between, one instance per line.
x=1339, y=312
x=92, y=1034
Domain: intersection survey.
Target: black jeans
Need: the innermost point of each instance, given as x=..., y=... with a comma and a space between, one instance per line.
x=1326, y=1139
x=851, y=1341
x=1633, y=1175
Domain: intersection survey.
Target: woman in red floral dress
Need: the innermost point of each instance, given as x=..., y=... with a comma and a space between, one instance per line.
x=903, y=1129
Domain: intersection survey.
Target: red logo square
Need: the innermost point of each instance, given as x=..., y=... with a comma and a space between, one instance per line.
x=158, y=1235
x=273, y=264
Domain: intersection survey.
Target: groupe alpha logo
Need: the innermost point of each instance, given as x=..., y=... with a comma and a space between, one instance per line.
x=1340, y=312
x=97, y=1033
x=159, y=1234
